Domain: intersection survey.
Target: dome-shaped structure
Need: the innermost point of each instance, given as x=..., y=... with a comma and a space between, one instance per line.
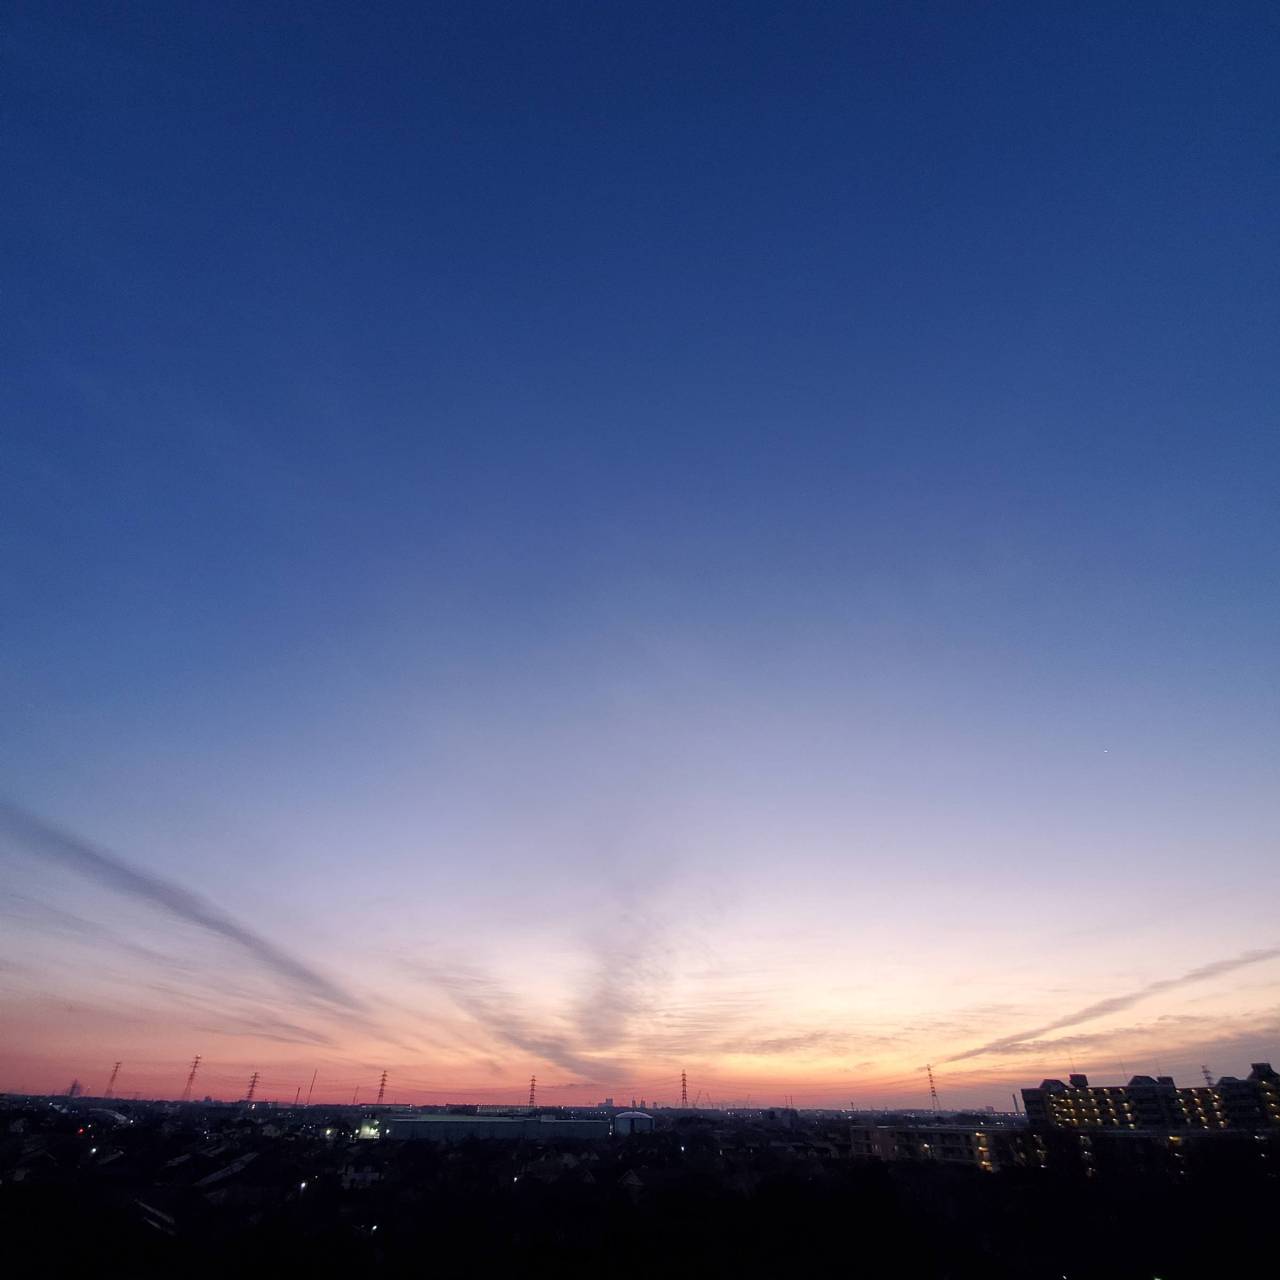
x=628, y=1122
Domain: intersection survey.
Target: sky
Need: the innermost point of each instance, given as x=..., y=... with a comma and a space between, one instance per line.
x=593, y=541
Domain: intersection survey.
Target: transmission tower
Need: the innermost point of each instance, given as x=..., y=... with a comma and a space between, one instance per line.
x=1208, y=1079
x=191, y=1078
x=533, y=1091
x=684, y=1090
x=111, y=1084
x=315, y=1073
x=382, y=1088
x=933, y=1090
x=253, y=1085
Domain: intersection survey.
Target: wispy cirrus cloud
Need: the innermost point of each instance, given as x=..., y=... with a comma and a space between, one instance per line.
x=48, y=842
x=618, y=994
x=43, y=917
x=1017, y=1042
x=798, y=1043
x=630, y=966
x=497, y=1010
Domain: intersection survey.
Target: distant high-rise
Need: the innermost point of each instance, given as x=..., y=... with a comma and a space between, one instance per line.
x=1156, y=1102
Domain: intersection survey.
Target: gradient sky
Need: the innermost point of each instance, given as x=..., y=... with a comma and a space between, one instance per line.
x=603, y=539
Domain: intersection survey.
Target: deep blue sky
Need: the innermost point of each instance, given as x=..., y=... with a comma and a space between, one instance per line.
x=780, y=419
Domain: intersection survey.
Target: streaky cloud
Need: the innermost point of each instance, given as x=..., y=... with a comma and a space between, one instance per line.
x=628, y=964
x=1117, y=1004
x=95, y=864
x=490, y=1005
x=783, y=1044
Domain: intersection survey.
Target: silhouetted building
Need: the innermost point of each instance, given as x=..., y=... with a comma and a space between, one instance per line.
x=455, y=1128
x=987, y=1149
x=628, y=1122
x=1156, y=1102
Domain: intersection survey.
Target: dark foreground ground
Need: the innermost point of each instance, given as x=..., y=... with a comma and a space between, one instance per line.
x=180, y=1201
